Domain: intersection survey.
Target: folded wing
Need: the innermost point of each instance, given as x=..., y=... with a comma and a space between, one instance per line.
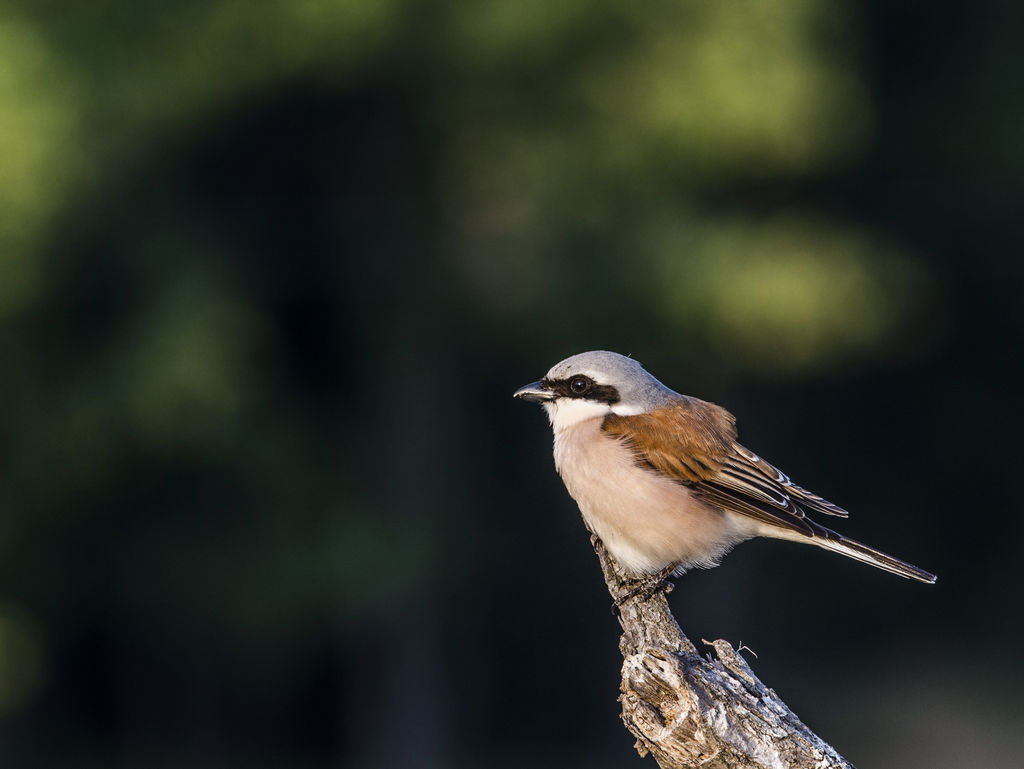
x=694, y=443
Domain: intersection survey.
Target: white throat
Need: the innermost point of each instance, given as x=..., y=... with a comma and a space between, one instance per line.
x=566, y=412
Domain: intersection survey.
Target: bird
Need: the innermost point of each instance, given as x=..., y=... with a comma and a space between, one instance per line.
x=661, y=479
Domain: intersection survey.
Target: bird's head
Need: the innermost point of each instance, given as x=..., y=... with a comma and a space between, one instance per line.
x=594, y=384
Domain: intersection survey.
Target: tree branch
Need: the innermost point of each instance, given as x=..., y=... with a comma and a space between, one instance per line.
x=690, y=711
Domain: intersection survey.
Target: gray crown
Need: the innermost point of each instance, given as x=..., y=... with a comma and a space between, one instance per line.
x=635, y=385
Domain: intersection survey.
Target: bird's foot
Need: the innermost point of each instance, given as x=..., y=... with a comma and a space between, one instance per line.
x=646, y=587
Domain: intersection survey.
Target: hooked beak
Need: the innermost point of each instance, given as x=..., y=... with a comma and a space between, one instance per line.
x=535, y=392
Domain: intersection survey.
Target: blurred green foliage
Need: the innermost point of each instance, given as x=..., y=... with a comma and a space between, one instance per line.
x=270, y=270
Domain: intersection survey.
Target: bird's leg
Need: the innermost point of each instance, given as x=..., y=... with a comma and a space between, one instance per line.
x=648, y=585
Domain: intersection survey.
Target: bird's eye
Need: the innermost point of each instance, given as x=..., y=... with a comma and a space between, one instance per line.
x=580, y=385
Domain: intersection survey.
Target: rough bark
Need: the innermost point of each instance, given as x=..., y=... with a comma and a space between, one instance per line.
x=688, y=710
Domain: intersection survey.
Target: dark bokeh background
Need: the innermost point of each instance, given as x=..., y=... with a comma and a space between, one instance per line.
x=270, y=272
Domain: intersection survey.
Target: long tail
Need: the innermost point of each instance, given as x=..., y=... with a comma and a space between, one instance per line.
x=837, y=543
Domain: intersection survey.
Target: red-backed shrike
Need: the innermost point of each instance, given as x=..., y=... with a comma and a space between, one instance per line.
x=660, y=478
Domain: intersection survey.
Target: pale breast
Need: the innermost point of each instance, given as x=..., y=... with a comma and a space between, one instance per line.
x=646, y=520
